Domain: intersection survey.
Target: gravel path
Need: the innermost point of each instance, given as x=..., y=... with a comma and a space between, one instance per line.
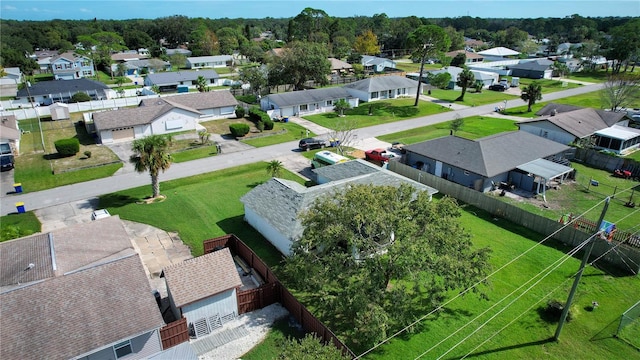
x=256, y=323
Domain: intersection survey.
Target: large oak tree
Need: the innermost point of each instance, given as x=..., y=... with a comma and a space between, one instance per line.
x=374, y=258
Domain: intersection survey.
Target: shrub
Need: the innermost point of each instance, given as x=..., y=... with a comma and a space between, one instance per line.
x=239, y=112
x=260, y=125
x=268, y=124
x=87, y=154
x=67, y=147
x=79, y=97
x=239, y=130
x=255, y=114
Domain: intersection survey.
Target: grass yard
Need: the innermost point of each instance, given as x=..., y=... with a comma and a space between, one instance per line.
x=578, y=197
x=18, y=225
x=474, y=127
x=268, y=349
x=471, y=98
x=200, y=207
x=381, y=112
x=588, y=336
x=281, y=132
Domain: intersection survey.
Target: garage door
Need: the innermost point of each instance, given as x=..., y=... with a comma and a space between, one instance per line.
x=122, y=134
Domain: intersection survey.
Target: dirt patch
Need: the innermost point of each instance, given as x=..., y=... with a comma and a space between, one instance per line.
x=152, y=200
x=358, y=154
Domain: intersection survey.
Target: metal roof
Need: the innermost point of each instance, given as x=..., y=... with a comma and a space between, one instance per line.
x=545, y=169
x=619, y=132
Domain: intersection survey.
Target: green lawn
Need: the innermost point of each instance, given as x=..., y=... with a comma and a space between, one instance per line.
x=268, y=349
x=282, y=132
x=471, y=98
x=200, y=207
x=588, y=336
x=18, y=225
x=474, y=127
x=381, y=112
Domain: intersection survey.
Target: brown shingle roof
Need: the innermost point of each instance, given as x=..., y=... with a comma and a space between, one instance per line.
x=71, y=315
x=204, y=100
x=15, y=257
x=201, y=277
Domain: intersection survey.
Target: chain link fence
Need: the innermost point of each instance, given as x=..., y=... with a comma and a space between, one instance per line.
x=629, y=327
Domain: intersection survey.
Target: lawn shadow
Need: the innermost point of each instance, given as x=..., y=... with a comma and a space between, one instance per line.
x=255, y=184
x=116, y=200
x=511, y=347
x=607, y=332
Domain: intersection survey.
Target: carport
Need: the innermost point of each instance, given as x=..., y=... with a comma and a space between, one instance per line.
x=543, y=171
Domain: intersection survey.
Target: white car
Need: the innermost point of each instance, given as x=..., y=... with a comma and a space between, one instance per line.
x=100, y=214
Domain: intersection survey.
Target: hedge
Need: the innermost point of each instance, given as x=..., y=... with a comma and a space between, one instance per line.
x=239, y=129
x=67, y=147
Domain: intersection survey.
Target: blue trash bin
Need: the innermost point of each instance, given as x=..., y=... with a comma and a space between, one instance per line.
x=18, y=187
x=285, y=119
x=20, y=207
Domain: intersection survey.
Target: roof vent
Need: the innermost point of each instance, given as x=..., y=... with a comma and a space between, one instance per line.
x=554, y=112
x=30, y=266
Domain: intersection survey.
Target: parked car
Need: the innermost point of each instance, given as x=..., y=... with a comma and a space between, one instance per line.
x=100, y=214
x=7, y=162
x=380, y=155
x=497, y=87
x=311, y=143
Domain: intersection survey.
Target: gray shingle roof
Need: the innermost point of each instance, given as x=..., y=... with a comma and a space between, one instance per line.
x=64, y=86
x=71, y=315
x=279, y=201
x=308, y=96
x=200, y=101
x=535, y=65
x=579, y=122
x=114, y=119
x=170, y=78
x=201, y=277
x=346, y=170
x=15, y=257
x=491, y=155
x=382, y=83
x=208, y=59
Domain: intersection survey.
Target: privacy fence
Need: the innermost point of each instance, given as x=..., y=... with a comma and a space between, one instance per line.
x=272, y=291
x=617, y=252
x=174, y=333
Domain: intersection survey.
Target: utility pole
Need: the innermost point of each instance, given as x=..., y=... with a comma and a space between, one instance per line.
x=426, y=48
x=585, y=258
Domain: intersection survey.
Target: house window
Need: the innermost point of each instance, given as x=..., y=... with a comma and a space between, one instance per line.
x=122, y=349
x=85, y=63
x=86, y=73
x=304, y=107
x=374, y=95
x=329, y=102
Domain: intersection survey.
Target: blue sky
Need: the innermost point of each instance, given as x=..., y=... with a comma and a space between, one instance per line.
x=151, y=9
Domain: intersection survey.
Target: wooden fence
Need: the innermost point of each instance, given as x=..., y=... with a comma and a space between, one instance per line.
x=272, y=291
x=174, y=333
x=567, y=234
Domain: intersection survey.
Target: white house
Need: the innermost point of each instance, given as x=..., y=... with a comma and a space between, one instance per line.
x=10, y=82
x=305, y=101
x=487, y=78
x=204, y=290
x=170, y=81
x=157, y=116
x=217, y=61
x=382, y=88
x=376, y=64
x=10, y=133
x=272, y=208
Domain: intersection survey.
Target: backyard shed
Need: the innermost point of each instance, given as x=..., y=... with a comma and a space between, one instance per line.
x=204, y=291
x=59, y=111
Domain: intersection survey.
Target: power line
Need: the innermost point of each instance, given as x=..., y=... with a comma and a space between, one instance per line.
x=476, y=284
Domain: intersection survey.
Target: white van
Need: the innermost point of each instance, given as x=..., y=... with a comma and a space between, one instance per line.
x=324, y=158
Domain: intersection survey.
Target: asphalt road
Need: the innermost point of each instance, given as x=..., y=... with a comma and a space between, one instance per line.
x=122, y=181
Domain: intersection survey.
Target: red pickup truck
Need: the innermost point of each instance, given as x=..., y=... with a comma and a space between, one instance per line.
x=380, y=155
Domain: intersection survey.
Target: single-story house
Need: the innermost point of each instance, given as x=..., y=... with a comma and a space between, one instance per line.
x=376, y=64
x=10, y=81
x=305, y=101
x=70, y=65
x=382, y=88
x=170, y=81
x=339, y=67
x=165, y=115
x=568, y=124
x=49, y=92
x=217, y=61
x=534, y=69
x=471, y=56
x=509, y=157
x=181, y=51
x=128, y=55
x=79, y=292
x=273, y=208
x=497, y=53
x=204, y=290
x=474, y=44
x=485, y=77
x=10, y=133
x=136, y=67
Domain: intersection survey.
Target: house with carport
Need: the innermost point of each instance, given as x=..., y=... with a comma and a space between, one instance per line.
x=383, y=88
x=273, y=208
x=568, y=124
x=515, y=158
x=303, y=102
x=160, y=116
x=79, y=292
x=204, y=291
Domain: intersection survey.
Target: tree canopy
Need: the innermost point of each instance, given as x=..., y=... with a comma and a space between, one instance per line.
x=300, y=62
x=531, y=93
x=372, y=257
x=151, y=154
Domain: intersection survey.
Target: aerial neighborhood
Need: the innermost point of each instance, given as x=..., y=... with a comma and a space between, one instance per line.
x=365, y=187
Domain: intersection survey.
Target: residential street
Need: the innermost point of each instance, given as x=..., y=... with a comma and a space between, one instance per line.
x=126, y=180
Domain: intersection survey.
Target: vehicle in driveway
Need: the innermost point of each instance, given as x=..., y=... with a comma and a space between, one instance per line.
x=7, y=162
x=498, y=87
x=380, y=155
x=311, y=143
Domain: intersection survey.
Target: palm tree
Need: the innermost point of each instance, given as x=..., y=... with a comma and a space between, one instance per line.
x=340, y=106
x=275, y=168
x=201, y=84
x=531, y=94
x=466, y=79
x=150, y=154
